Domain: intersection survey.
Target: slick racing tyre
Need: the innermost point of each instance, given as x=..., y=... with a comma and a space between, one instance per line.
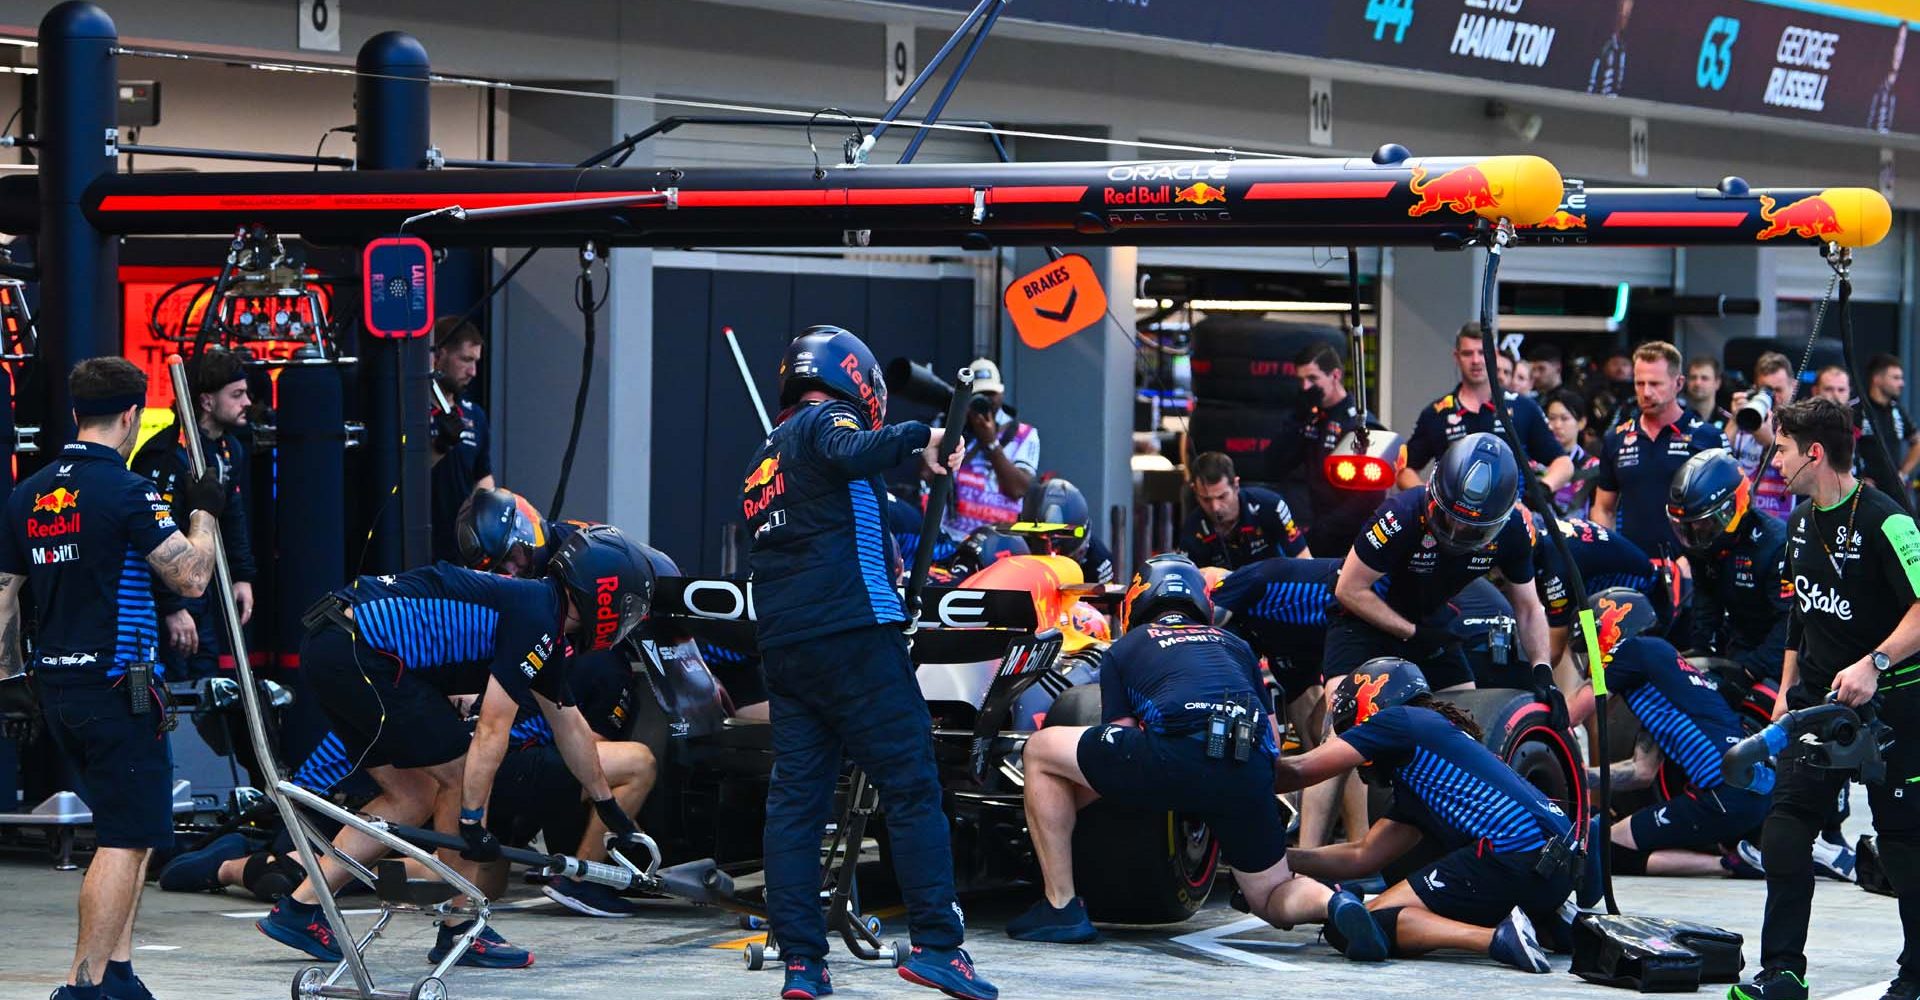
x=1168, y=860
x=1752, y=703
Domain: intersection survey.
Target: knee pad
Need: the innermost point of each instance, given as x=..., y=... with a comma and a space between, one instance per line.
x=1626, y=860
x=1389, y=922
x=270, y=877
x=1900, y=859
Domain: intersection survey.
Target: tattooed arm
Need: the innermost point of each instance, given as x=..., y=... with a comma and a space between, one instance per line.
x=185, y=560
x=10, y=660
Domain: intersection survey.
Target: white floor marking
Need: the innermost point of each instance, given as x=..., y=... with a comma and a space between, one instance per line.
x=1211, y=942
x=257, y=914
x=158, y=947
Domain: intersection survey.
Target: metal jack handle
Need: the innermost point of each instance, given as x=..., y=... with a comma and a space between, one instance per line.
x=250, y=692
x=937, y=494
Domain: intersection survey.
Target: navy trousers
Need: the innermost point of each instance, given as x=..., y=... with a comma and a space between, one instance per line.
x=853, y=693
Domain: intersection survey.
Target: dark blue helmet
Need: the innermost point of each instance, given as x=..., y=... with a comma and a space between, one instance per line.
x=985, y=546
x=836, y=362
x=1707, y=500
x=663, y=564
x=499, y=531
x=610, y=579
x=1379, y=683
x=1168, y=584
x=1054, y=517
x=1472, y=493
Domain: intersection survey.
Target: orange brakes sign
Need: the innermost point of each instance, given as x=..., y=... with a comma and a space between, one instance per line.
x=1056, y=301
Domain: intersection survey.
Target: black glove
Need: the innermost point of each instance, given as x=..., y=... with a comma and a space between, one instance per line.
x=481, y=844
x=1428, y=641
x=618, y=822
x=1539, y=495
x=1548, y=694
x=206, y=493
x=446, y=431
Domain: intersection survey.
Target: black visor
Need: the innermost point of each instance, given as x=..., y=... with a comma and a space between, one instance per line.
x=1459, y=536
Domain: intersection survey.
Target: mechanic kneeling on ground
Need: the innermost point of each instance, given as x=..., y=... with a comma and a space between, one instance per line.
x=1188, y=726
x=1741, y=594
x=385, y=653
x=1510, y=856
x=837, y=663
x=534, y=792
x=94, y=656
x=1683, y=719
x=1855, y=559
x=195, y=643
x=1232, y=525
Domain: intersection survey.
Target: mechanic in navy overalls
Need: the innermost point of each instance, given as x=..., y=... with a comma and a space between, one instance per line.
x=837, y=664
x=1639, y=455
x=1742, y=596
x=1509, y=857
x=384, y=656
x=86, y=537
x=1685, y=721
x=1186, y=725
x=194, y=640
x=1605, y=559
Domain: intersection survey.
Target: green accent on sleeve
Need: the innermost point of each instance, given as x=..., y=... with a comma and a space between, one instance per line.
x=1900, y=531
x=1596, y=666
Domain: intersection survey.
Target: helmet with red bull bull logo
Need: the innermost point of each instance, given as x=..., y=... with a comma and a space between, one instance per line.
x=832, y=360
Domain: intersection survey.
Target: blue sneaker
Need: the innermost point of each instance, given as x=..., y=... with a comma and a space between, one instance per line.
x=949, y=970
x=589, y=898
x=1366, y=942
x=1514, y=944
x=1065, y=925
x=807, y=979
x=199, y=871
x=489, y=950
x=302, y=927
x=121, y=984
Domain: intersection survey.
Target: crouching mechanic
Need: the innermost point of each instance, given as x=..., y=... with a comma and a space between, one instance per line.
x=837, y=668
x=534, y=792
x=1509, y=848
x=1188, y=726
x=1421, y=548
x=1742, y=596
x=385, y=653
x=1683, y=719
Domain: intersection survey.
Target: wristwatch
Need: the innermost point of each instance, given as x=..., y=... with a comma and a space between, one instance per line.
x=1881, y=661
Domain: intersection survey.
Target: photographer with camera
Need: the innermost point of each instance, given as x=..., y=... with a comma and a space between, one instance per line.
x=462, y=459
x=1752, y=431
x=1002, y=457
x=1855, y=633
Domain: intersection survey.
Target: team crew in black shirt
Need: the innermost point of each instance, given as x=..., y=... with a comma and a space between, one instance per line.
x=1854, y=556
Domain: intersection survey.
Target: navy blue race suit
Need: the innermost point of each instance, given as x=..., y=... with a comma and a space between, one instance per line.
x=1638, y=469
x=1743, y=598
x=1605, y=559
x=165, y=463
x=80, y=531
x=1279, y=606
x=1492, y=822
x=1170, y=677
x=1265, y=529
x=1684, y=713
x=837, y=670
x=423, y=635
x=1420, y=580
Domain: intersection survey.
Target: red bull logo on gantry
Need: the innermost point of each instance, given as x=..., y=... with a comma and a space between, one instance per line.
x=1199, y=194
x=1810, y=218
x=1562, y=220
x=1465, y=190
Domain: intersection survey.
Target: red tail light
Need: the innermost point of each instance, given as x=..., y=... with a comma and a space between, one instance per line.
x=1358, y=472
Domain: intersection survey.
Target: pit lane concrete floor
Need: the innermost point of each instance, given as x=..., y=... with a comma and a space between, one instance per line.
x=204, y=947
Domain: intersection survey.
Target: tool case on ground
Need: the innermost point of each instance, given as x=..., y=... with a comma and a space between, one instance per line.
x=1654, y=954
